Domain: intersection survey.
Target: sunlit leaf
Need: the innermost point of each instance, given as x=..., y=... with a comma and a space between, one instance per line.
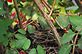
x=40, y=50
x=26, y=44
x=13, y=44
x=17, y=44
x=78, y=28
x=21, y=43
x=35, y=16
x=33, y=51
x=67, y=37
x=81, y=32
x=80, y=43
x=76, y=20
x=20, y=36
x=65, y=49
x=72, y=8
x=62, y=11
x=31, y=29
x=43, y=23
x=22, y=31
x=63, y=21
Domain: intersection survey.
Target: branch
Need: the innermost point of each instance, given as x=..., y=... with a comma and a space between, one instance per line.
x=53, y=28
x=18, y=14
x=49, y=8
x=46, y=5
x=74, y=43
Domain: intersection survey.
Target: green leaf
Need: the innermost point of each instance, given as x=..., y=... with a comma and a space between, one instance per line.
x=27, y=10
x=11, y=51
x=80, y=32
x=33, y=51
x=13, y=44
x=63, y=21
x=43, y=23
x=63, y=11
x=35, y=16
x=57, y=2
x=31, y=29
x=4, y=40
x=72, y=8
x=67, y=37
x=65, y=49
x=26, y=44
x=22, y=31
x=78, y=28
x=40, y=50
x=76, y=20
x=50, y=1
x=20, y=43
x=80, y=43
x=17, y=44
x=4, y=23
x=20, y=36
x=45, y=10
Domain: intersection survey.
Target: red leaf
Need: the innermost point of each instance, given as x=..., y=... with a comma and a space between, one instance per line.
x=21, y=14
x=16, y=21
x=9, y=1
x=22, y=52
x=80, y=50
x=13, y=15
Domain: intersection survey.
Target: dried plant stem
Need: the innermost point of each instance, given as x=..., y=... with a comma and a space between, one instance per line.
x=46, y=5
x=18, y=13
x=74, y=43
x=56, y=35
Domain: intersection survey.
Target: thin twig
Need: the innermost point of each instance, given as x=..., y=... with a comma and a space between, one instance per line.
x=74, y=43
x=46, y=5
x=18, y=13
x=59, y=24
x=56, y=35
x=50, y=12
